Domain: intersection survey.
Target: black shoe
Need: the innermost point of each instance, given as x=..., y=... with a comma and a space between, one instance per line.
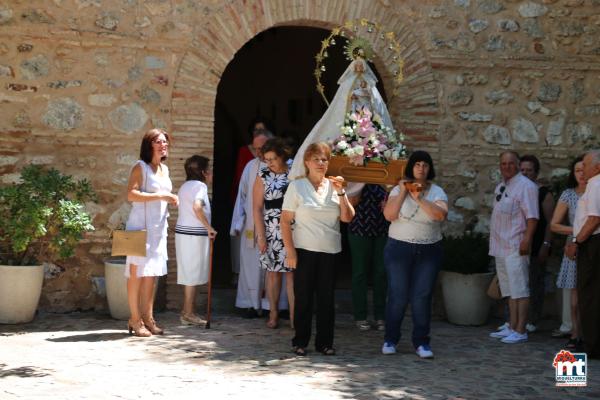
x=249, y=313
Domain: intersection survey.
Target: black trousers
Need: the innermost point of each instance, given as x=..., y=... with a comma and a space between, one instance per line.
x=314, y=274
x=588, y=293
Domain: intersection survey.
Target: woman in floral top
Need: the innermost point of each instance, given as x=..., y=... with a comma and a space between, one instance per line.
x=269, y=188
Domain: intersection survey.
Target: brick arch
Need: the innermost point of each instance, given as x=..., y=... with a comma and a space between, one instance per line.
x=415, y=109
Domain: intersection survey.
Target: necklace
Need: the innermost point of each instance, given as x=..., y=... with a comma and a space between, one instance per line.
x=417, y=208
x=412, y=215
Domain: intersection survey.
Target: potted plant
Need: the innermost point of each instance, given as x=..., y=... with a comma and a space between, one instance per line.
x=465, y=278
x=42, y=219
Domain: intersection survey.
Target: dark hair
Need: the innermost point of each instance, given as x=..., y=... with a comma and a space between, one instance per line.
x=195, y=167
x=532, y=159
x=416, y=157
x=258, y=120
x=146, y=147
x=571, y=181
x=278, y=146
x=316, y=148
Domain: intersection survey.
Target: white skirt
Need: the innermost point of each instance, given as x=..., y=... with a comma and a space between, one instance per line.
x=193, y=259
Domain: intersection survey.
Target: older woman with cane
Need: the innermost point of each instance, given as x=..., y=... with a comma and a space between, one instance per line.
x=193, y=234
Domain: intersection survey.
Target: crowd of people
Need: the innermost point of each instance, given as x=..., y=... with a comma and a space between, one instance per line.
x=285, y=238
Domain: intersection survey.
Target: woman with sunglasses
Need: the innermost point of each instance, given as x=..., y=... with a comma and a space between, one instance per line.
x=149, y=191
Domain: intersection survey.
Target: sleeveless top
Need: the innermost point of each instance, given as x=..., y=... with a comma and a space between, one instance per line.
x=152, y=216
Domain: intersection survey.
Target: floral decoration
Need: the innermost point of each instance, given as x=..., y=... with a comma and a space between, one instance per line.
x=364, y=138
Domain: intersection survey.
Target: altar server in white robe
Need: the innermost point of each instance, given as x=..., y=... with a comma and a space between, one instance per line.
x=252, y=276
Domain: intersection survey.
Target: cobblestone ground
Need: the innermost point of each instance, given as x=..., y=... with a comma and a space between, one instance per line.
x=90, y=356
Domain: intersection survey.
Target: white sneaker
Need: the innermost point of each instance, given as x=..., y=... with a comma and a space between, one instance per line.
x=424, y=351
x=530, y=328
x=504, y=332
x=515, y=337
x=503, y=326
x=388, y=348
x=363, y=325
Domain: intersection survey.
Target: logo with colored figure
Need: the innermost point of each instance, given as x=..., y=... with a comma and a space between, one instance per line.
x=571, y=368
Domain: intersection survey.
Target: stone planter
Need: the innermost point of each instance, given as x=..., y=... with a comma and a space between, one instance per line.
x=465, y=297
x=116, y=287
x=20, y=290
x=373, y=172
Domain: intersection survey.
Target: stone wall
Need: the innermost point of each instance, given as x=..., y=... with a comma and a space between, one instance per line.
x=81, y=80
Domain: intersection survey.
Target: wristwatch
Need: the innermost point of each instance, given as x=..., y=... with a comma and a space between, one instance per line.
x=574, y=240
x=341, y=194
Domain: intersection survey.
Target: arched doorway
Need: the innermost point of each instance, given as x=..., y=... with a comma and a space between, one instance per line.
x=215, y=45
x=271, y=76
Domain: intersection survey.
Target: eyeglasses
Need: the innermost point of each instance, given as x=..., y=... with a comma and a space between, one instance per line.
x=499, y=195
x=160, y=142
x=271, y=159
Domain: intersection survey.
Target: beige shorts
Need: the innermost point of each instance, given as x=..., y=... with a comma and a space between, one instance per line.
x=513, y=275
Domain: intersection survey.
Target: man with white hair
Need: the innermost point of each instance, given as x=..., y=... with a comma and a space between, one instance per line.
x=585, y=247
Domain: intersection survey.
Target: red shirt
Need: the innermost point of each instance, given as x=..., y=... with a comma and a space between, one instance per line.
x=243, y=158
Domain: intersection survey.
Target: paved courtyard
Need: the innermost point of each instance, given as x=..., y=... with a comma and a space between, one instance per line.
x=90, y=356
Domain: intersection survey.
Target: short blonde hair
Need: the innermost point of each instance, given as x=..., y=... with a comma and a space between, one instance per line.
x=314, y=149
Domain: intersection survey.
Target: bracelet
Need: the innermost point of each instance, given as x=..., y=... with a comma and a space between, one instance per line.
x=342, y=194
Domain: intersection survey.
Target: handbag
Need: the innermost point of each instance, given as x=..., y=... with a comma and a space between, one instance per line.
x=493, y=290
x=130, y=242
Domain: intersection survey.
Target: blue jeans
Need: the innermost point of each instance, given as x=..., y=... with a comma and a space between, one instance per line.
x=411, y=273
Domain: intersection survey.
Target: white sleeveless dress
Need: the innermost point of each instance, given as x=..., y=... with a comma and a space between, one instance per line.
x=152, y=216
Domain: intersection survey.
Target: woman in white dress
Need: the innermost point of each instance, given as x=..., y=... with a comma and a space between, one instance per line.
x=149, y=191
x=193, y=233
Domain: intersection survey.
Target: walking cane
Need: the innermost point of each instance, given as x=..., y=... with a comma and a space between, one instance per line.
x=207, y=326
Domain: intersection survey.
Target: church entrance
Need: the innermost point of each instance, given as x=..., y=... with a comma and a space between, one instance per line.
x=271, y=77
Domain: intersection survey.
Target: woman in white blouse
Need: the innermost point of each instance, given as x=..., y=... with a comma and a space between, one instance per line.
x=193, y=233
x=314, y=205
x=413, y=254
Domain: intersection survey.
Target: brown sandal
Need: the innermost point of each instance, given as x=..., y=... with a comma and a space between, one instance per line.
x=150, y=323
x=138, y=329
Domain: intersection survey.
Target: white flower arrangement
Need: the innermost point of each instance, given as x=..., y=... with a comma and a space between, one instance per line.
x=364, y=138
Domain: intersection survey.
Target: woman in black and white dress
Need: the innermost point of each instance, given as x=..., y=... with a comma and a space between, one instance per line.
x=193, y=233
x=269, y=188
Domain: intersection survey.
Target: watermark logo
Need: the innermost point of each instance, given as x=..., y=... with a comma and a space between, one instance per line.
x=571, y=368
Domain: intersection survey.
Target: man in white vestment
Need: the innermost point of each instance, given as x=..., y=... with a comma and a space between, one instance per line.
x=252, y=276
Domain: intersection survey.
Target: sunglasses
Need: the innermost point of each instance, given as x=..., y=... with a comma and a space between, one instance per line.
x=499, y=195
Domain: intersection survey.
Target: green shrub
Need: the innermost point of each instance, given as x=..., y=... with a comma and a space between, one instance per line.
x=43, y=217
x=466, y=254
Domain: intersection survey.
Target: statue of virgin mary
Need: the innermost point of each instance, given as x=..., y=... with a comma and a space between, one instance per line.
x=357, y=91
